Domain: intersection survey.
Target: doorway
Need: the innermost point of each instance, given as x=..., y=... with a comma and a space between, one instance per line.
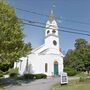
x=55, y=68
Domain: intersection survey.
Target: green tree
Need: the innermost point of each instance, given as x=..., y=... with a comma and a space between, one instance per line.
x=87, y=60
x=80, y=43
x=79, y=58
x=12, y=46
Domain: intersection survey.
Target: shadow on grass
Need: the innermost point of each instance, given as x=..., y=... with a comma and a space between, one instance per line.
x=14, y=82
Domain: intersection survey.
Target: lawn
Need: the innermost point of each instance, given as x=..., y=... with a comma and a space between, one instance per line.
x=72, y=85
x=82, y=74
x=2, y=86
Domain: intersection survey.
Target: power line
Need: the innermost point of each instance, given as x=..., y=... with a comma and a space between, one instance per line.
x=76, y=29
x=44, y=23
x=59, y=29
x=29, y=21
x=67, y=20
x=75, y=21
x=31, y=12
x=34, y=25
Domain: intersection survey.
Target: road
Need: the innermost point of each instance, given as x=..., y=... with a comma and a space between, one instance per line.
x=42, y=84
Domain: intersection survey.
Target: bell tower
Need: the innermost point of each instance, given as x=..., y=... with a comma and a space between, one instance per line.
x=51, y=33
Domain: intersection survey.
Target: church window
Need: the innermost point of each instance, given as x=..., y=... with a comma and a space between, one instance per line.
x=48, y=31
x=54, y=42
x=46, y=67
x=20, y=64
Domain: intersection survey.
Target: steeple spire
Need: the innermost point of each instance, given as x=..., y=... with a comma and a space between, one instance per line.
x=51, y=16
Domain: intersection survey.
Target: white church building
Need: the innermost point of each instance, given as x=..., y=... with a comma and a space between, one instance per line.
x=47, y=58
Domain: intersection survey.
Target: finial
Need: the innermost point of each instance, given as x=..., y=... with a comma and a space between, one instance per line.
x=51, y=12
x=51, y=16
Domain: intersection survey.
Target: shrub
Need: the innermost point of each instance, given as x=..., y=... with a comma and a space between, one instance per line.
x=32, y=76
x=20, y=78
x=13, y=72
x=28, y=76
x=84, y=79
x=1, y=73
x=70, y=71
x=81, y=79
x=44, y=76
x=40, y=76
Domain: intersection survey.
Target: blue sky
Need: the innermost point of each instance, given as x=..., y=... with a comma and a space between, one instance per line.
x=78, y=10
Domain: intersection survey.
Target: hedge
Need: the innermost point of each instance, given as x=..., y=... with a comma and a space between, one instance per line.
x=40, y=76
x=33, y=76
x=28, y=76
x=70, y=71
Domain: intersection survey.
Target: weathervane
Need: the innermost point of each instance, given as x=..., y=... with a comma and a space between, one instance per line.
x=53, y=5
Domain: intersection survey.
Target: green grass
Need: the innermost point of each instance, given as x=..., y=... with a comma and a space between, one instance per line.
x=72, y=85
x=2, y=86
x=82, y=74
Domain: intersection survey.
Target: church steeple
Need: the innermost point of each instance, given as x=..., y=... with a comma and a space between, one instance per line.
x=51, y=32
x=51, y=16
x=51, y=23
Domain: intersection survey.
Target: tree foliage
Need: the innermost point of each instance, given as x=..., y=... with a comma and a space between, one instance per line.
x=79, y=58
x=80, y=43
x=12, y=45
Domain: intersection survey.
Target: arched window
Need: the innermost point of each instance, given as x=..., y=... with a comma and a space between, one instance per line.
x=48, y=32
x=46, y=67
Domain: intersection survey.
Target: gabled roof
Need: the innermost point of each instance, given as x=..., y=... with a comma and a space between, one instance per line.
x=43, y=50
x=36, y=49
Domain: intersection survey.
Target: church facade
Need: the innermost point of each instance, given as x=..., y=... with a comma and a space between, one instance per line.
x=47, y=58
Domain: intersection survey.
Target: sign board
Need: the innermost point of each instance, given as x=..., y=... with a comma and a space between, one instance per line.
x=63, y=78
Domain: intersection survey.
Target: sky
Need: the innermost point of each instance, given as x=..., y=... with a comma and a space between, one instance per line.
x=66, y=10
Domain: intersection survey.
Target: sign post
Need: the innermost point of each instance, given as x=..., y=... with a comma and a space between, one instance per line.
x=63, y=78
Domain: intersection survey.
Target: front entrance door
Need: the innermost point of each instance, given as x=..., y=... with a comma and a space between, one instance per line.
x=55, y=68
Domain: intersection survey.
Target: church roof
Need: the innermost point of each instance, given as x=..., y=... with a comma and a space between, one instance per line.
x=51, y=16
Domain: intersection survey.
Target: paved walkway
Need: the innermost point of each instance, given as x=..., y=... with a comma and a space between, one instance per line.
x=43, y=84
